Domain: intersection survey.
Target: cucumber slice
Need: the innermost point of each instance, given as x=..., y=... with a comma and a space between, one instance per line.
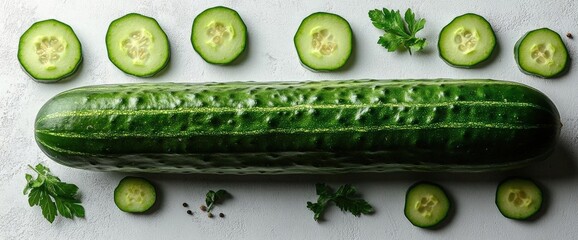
x=426, y=205
x=134, y=195
x=137, y=45
x=541, y=53
x=219, y=35
x=49, y=51
x=323, y=41
x=518, y=198
x=467, y=41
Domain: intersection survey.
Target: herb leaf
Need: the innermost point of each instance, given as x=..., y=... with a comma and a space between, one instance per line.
x=34, y=197
x=399, y=32
x=390, y=41
x=48, y=206
x=345, y=198
x=347, y=202
x=53, y=196
x=213, y=198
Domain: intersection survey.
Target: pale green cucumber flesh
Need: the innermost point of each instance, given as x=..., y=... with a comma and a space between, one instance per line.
x=518, y=198
x=49, y=51
x=137, y=45
x=426, y=205
x=324, y=41
x=466, y=41
x=219, y=35
x=541, y=53
x=300, y=127
x=134, y=195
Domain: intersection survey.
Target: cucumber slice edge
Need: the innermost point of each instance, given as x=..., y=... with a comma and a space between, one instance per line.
x=112, y=58
x=476, y=64
x=24, y=66
x=324, y=69
x=562, y=71
x=444, y=199
x=237, y=54
x=148, y=191
x=520, y=180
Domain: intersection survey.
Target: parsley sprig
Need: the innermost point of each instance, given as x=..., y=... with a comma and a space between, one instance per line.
x=213, y=198
x=52, y=195
x=398, y=33
x=345, y=198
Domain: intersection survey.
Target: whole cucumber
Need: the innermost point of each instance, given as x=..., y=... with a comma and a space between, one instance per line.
x=300, y=127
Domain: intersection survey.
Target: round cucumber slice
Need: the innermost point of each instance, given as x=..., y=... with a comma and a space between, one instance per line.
x=541, y=53
x=467, y=41
x=426, y=205
x=49, y=51
x=137, y=45
x=323, y=41
x=219, y=35
x=518, y=198
x=134, y=195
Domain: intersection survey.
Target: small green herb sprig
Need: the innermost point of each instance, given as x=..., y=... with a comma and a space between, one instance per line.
x=213, y=198
x=345, y=198
x=52, y=195
x=399, y=32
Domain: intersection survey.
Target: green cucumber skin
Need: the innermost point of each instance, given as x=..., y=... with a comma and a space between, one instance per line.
x=517, y=53
x=300, y=127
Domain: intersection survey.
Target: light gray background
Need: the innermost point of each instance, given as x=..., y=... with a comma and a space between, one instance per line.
x=266, y=207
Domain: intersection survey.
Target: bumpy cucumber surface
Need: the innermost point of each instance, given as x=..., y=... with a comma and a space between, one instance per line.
x=299, y=127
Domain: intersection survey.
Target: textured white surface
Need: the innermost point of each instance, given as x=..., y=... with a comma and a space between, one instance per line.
x=274, y=207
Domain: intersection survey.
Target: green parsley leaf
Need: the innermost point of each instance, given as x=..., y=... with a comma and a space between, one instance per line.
x=53, y=196
x=213, y=198
x=346, y=201
x=325, y=194
x=399, y=32
x=345, y=198
x=48, y=206
x=34, y=197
